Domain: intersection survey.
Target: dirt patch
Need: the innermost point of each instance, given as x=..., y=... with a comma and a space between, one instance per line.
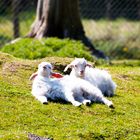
x=122, y=77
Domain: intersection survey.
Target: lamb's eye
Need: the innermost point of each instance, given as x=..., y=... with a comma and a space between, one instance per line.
x=76, y=66
x=49, y=67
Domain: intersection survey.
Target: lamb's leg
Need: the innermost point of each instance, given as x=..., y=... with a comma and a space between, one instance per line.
x=100, y=99
x=42, y=99
x=110, y=88
x=70, y=98
x=95, y=95
x=84, y=101
x=106, y=102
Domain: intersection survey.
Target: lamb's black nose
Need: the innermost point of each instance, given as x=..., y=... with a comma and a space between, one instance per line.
x=82, y=72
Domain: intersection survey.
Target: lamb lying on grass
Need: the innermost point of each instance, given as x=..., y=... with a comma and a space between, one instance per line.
x=70, y=89
x=100, y=78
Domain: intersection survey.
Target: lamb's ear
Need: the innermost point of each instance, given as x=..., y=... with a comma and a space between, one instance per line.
x=33, y=76
x=39, y=66
x=68, y=66
x=52, y=67
x=89, y=65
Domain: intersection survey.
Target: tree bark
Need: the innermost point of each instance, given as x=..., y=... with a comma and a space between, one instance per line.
x=138, y=3
x=60, y=18
x=15, y=6
x=108, y=8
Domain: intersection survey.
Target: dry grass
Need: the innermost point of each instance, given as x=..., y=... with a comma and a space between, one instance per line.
x=112, y=30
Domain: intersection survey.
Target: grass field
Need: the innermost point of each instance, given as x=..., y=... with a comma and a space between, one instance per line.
x=20, y=113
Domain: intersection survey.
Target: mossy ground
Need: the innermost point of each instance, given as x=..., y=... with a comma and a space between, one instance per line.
x=28, y=48
x=20, y=113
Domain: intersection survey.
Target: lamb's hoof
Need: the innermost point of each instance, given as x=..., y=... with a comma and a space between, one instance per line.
x=87, y=103
x=112, y=106
x=45, y=103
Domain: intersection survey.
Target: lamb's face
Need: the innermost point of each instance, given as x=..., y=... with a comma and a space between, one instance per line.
x=45, y=69
x=79, y=66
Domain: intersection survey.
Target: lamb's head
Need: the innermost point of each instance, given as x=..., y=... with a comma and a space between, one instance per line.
x=78, y=65
x=45, y=69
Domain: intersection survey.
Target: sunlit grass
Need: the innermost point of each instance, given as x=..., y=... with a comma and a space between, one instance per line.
x=6, y=26
x=20, y=113
x=34, y=49
x=119, y=29
x=119, y=38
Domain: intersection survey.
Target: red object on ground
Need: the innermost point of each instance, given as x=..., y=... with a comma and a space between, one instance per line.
x=54, y=75
x=57, y=75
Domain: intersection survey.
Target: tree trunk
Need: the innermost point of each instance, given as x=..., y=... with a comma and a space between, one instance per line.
x=15, y=6
x=138, y=3
x=108, y=8
x=60, y=18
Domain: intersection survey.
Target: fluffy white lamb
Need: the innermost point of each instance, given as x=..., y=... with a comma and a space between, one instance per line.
x=100, y=78
x=70, y=89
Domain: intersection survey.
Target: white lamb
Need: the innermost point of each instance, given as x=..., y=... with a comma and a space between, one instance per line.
x=73, y=90
x=100, y=78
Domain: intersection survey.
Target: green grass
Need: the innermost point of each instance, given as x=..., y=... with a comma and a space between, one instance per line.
x=34, y=49
x=20, y=113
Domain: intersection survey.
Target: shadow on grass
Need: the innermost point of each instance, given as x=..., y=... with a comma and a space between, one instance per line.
x=92, y=135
